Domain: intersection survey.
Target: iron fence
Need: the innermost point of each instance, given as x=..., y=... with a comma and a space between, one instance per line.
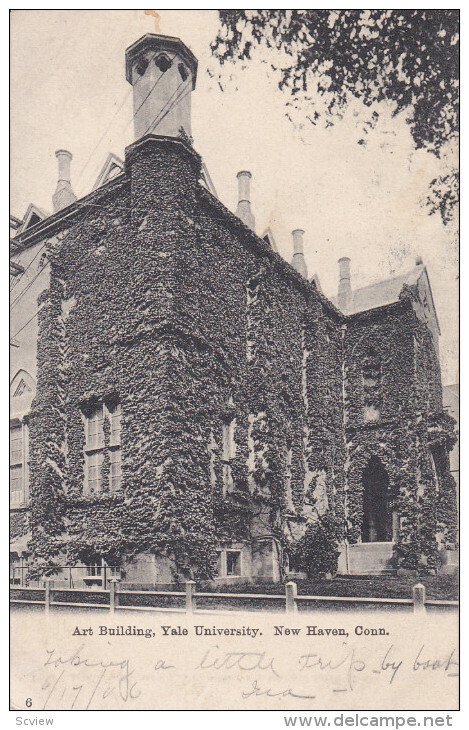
x=67, y=576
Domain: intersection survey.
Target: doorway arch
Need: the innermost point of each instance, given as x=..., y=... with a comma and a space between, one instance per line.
x=377, y=522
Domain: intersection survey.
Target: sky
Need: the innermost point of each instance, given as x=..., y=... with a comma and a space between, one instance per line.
x=68, y=90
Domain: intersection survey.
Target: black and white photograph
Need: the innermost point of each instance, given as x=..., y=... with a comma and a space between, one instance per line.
x=234, y=361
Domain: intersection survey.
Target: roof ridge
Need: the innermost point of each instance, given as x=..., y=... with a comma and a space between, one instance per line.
x=385, y=281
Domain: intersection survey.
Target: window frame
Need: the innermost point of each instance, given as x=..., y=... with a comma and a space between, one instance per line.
x=372, y=386
x=229, y=448
x=99, y=573
x=222, y=563
x=238, y=552
x=289, y=503
x=19, y=463
x=96, y=447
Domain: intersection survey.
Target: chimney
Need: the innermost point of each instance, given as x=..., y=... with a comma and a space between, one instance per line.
x=243, y=210
x=64, y=194
x=162, y=72
x=298, y=260
x=344, y=298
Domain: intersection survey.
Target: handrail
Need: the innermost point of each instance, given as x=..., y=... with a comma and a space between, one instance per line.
x=180, y=594
x=356, y=599
x=276, y=597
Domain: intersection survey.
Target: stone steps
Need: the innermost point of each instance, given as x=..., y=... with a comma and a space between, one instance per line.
x=371, y=558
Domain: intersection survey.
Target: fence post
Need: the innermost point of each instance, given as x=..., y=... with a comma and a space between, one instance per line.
x=190, y=596
x=47, y=594
x=113, y=594
x=70, y=581
x=291, y=593
x=418, y=594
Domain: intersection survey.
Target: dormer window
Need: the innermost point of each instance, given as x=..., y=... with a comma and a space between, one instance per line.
x=33, y=220
x=163, y=63
x=184, y=73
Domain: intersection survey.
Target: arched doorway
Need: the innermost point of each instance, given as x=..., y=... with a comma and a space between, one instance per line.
x=377, y=514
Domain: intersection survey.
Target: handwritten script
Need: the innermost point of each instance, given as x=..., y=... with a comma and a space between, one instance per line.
x=85, y=679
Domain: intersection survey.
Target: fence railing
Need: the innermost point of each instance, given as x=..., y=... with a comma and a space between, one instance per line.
x=111, y=598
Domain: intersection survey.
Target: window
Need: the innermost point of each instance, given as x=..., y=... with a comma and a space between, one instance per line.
x=19, y=467
x=371, y=386
x=229, y=452
x=16, y=444
x=229, y=562
x=288, y=489
x=115, y=447
x=97, y=574
x=94, y=462
x=97, y=445
x=233, y=562
x=96, y=570
x=115, y=469
x=115, y=414
x=18, y=569
x=252, y=315
x=22, y=388
x=212, y=451
x=94, y=431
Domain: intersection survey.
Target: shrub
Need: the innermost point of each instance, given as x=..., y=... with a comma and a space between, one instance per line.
x=317, y=551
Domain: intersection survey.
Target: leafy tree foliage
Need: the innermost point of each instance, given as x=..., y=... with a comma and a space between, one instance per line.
x=409, y=57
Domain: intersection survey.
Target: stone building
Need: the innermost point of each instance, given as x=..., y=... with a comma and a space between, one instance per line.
x=185, y=402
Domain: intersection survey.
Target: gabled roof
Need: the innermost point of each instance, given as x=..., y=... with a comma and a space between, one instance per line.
x=15, y=268
x=33, y=215
x=315, y=278
x=206, y=180
x=388, y=291
x=111, y=168
x=452, y=389
x=269, y=237
x=14, y=221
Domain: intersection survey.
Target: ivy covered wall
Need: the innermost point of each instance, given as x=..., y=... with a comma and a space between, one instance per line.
x=232, y=373
x=408, y=432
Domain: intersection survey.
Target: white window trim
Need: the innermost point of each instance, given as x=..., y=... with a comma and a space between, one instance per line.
x=224, y=563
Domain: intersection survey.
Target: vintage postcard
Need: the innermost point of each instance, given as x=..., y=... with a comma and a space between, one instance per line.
x=234, y=399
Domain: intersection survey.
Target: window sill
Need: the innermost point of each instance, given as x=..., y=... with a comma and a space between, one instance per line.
x=99, y=449
x=19, y=505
